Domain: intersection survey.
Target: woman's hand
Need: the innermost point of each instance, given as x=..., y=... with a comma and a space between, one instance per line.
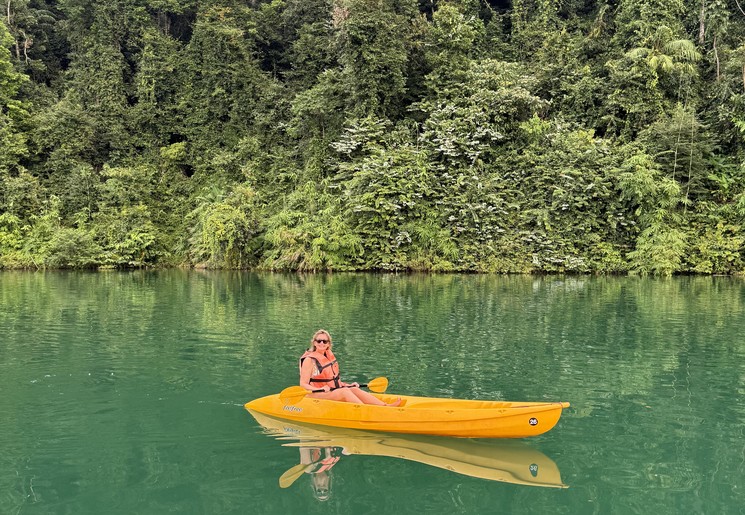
x=353, y=385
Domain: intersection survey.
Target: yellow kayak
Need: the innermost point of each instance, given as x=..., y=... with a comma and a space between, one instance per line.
x=506, y=461
x=421, y=415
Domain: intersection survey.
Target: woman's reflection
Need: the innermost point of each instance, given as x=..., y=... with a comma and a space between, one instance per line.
x=318, y=462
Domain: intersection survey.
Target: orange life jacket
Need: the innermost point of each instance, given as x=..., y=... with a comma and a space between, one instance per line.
x=325, y=369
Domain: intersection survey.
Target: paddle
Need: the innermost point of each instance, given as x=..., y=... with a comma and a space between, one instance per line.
x=293, y=394
x=292, y=474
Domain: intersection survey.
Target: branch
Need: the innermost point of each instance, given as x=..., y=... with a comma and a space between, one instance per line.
x=739, y=7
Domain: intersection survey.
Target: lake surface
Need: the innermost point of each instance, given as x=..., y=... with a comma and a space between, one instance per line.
x=124, y=392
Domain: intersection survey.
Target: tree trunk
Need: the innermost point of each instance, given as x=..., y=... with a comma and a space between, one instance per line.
x=702, y=23
x=27, y=42
x=164, y=21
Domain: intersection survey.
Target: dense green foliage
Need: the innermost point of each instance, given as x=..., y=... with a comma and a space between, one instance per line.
x=523, y=136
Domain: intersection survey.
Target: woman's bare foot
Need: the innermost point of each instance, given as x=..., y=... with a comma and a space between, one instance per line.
x=397, y=402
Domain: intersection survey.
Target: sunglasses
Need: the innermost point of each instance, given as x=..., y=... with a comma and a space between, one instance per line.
x=319, y=340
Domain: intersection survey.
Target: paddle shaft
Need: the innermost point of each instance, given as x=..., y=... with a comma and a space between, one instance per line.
x=338, y=388
x=293, y=394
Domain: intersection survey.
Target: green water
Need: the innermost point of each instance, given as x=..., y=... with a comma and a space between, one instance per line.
x=123, y=392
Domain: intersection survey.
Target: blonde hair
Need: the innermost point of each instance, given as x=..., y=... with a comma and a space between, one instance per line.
x=316, y=335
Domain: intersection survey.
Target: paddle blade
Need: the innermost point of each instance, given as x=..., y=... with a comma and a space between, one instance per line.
x=291, y=475
x=378, y=385
x=293, y=394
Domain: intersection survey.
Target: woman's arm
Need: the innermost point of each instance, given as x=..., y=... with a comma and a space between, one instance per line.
x=351, y=385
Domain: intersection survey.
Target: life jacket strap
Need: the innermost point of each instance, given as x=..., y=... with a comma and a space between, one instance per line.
x=334, y=379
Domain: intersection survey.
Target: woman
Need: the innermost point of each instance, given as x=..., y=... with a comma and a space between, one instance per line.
x=320, y=371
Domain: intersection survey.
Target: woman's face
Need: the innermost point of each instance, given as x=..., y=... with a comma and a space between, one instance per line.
x=322, y=342
x=322, y=485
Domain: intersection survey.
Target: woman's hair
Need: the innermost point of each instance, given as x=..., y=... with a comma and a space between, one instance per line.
x=320, y=482
x=316, y=335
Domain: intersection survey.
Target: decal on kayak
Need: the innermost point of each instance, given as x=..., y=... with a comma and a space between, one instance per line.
x=533, y=470
x=292, y=408
x=533, y=421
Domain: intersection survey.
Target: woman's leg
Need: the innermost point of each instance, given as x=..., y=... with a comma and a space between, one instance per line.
x=340, y=394
x=352, y=395
x=368, y=398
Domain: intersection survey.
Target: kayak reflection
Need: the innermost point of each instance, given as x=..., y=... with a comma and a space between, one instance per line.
x=508, y=461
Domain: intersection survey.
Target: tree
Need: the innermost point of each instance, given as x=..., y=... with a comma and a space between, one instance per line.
x=155, y=90
x=681, y=147
x=223, y=95
x=387, y=189
x=19, y=191
x=309, y=232
x=13, y=111
x=310, y=51
x=668, y=59
x=661, y=244
x=637, y=21
x=450, y=43
x=223, y=229
x=371, y=39
x=318, y=115
x=485, y=112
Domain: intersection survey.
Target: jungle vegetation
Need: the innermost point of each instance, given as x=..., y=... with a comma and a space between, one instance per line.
x=522, y=136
